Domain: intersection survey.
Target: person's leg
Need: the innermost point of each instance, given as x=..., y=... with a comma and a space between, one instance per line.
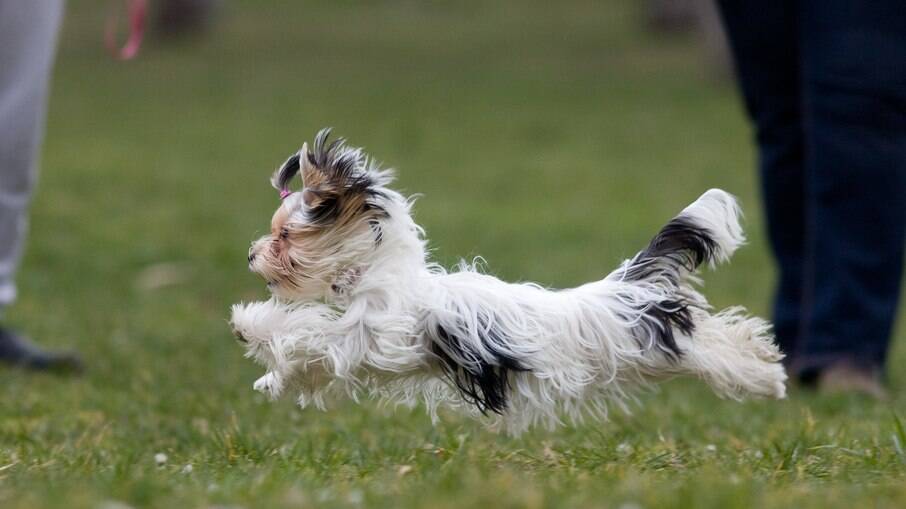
x=854, y=87
x=28, y=34
x=763, y=37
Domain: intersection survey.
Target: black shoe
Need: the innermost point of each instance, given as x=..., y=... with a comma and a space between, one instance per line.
x=16, y=350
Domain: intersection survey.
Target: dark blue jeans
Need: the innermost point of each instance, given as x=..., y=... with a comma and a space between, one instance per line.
x=824, y=82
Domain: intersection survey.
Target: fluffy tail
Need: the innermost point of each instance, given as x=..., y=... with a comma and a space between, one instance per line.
x=707, y=231
x=733, y=353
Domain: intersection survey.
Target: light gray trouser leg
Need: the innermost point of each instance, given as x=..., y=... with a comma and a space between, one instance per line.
x=28, y=39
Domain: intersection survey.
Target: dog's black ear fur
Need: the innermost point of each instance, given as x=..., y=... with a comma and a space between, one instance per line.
x=287, y=171
x=343, y=167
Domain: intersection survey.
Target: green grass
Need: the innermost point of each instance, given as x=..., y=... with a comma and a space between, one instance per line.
x=552, y=140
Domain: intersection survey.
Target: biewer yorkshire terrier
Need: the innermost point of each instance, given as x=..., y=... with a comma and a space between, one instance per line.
x=358, y=310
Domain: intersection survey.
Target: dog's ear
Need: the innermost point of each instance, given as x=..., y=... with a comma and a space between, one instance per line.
x=285, y=173
x=333, y=164
x=311, y=175
x=304, y=162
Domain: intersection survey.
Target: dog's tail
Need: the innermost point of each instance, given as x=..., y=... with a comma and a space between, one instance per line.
x=660, y=289
x=734, y=353
x=707, y=231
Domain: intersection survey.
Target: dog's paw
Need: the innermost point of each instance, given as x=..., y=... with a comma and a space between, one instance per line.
x=271, y=385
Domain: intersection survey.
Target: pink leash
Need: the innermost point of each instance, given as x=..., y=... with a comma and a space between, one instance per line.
x=137, y=12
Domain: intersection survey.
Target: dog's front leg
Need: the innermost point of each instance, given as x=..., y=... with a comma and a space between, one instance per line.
x=289, y=340
x=256, y=323
x=298, y=375
x=271, y=385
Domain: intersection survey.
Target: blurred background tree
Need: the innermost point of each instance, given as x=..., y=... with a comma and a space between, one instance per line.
x=182, y=18
x=699, y=17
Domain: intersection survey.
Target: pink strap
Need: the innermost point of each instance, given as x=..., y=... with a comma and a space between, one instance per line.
x=284, y=193
x=137, y=10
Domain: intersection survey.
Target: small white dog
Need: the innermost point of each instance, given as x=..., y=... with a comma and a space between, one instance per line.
x=357, y=309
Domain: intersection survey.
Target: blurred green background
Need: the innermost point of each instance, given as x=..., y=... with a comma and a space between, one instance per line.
x=552, y=138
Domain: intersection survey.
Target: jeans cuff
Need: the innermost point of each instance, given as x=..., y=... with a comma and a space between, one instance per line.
x=7, y=294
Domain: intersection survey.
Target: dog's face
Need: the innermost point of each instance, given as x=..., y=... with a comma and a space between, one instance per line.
x=322, y=237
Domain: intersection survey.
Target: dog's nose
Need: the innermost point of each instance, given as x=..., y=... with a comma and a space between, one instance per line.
x=251, y=257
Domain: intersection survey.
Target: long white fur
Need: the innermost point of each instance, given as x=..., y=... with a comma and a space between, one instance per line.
x=580, y=345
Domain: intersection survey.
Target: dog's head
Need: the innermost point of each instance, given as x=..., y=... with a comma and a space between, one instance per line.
x=325, y=235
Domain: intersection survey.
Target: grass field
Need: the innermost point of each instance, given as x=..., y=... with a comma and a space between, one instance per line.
x=551, y=139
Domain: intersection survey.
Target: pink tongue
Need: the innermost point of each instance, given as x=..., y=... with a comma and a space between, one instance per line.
x=284, y=193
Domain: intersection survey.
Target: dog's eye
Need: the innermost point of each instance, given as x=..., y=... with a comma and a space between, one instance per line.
x=284, y=233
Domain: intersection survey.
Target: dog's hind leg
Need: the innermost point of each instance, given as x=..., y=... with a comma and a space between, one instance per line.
x=735, y=354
